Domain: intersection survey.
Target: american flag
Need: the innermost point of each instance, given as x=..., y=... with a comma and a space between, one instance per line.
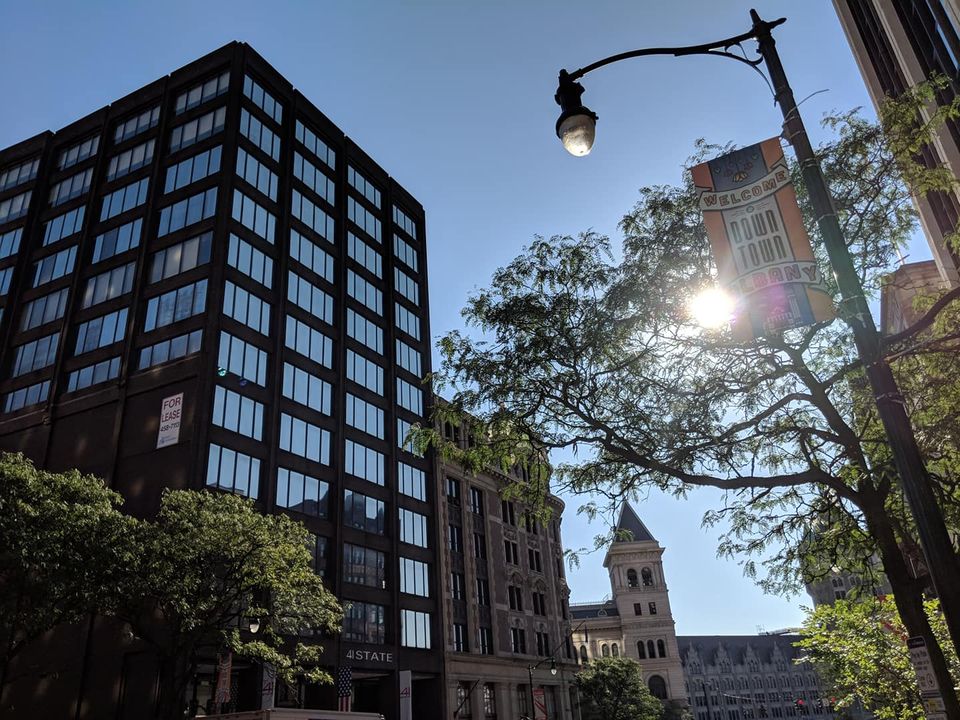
x=344, y=687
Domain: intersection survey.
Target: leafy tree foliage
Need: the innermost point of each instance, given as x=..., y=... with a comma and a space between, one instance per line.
x=613, y=689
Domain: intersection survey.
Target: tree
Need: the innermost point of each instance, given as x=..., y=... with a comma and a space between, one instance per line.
x=207, y=565
x=613, y=689
x=579, y=350
x=860, y=651
x=64, y=545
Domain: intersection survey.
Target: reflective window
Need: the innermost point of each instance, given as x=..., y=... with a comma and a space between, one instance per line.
x=308, y=342
x=130, y=160
x=311, y=255
x=415, y=629
x=54, y=266
x=308, y=296
x=199, y=94
x=259, y=134
x=364, y=292
x=172, y=349
x=315, y=145
x=117, y=240
x=78, y=153
x=405, y=253
x=109, y=285
x=364, y=566
x=193, y=169
x=363, y=219
x=408, y=358
x=35, y=355
x=404, y=222
x=364, y=416
x=364, y=331
x=304, y=439
x=257, y=174
x=307, y=389
x=364, y=254
x=71, y=187
x=15, y=207
x=406, y=286
x=5, y=276
x=14, y=175
x=409, y=397
x=403, y=430
x=312, y=216
x=251, y=262
x=126, y=198
x=187, y=212
x=94, y=374
x=137, y=124
x=176, y=305
x=413, y=577
x=362, y=512
x=181, y=257
x=243, y=359
x=359, y=183
x=245, y=307
x=364, y=372
x=237, y=413
x=318, y=551
x=363, y=462
x=262, y=99
x=23, y=397
x=101, y=331
x=314, y=178
x=198, y=129
x=10, y=242
x=412, y=481
x=302, y=493
x=254, y=216
x=413, y=528
x=407, y=321
x=63, y=226
x=44, y=309
x=363, y=622
x=233, y=471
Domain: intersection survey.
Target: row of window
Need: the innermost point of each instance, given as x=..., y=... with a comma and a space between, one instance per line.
x=365, y=623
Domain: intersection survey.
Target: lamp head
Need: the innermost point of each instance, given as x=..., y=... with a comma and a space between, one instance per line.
x=254, y=625
x=577, y=125
x=553, y=666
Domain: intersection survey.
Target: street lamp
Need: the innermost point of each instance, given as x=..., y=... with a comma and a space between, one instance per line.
x=576, y=129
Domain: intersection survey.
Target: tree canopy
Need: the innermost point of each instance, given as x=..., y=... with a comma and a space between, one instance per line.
x=613, y=689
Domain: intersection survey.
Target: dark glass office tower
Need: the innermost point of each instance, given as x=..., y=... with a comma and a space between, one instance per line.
x=213, y=244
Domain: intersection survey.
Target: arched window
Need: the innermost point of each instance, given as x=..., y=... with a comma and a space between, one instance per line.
x=658, y=687
x=661, y=648
x=632, y=578
x=605, y=650
x=616, y=650
x=647, y=576
x=641, y=650
x=583, y=654
x=651, y=652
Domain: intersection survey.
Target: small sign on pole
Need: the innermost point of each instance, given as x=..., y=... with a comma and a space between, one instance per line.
x=929, y=689
x=171, y=414
x=406, y=695
x=268, y=686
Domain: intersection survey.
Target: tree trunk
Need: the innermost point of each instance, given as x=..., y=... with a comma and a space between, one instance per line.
x=908, y=597
x=173, y=683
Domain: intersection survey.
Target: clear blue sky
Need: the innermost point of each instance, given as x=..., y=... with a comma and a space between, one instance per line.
x=455, y=100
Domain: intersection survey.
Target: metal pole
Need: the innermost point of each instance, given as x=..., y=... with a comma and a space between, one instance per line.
x=533, y=713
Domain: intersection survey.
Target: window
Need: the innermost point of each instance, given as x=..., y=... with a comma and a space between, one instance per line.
x=632, y=578
x=302, y=493
x=15, y=207
x=118, y=240
x=363, y=622
x=78, y=153
x=193, y=169
x=199, y=94
x=233, y=471
x=661, y=649
x=403, y=435
x=658, y=687
x=251, y=262
x=413, y=577
x=311, y=256
x=307, y=389
x=364, y=331
x=489, y=702
x=315, y=145
x=262, y=99
x=363, y=186
x=363, y=462
x=44, y=309
x=583, y=654
x=10, y=242
x=54, y=266
x=539, y=603
x=364, y=372
x=312, y=216
x=534, y=558
x=543, y=645
x=172, y=349
x=187, y=212
x=406, y=286
x=515, y=597
x=130, y=160
x=458, y=588
x=652, y=608
x=93, y=374
x=126, y=198
x=404, y=222
x=363, y=219
x=412, y=481
x=71, y=187
x=479, y=546
x=407, y=321
x=5, y=275
x=647, y=576
x=246, y=308
x=181, y=257
x=62, y=226
x=641, y=649
x=508, y=513
x=605, y=650
x=460, y=640
x=405, y=253
x=364, y=254
x=304, y=439
x=176, y=305
x=101, y=331
x=259, y=134
x=14, y=175
x=363, y=512
x=415, y=629
x=455, y=538
x=137, y=124
x=237, y=413
x=518, y=640
x=638, y=608
x=109, y=285
x=364, y=292
x=308, y=296
x=483, y=592
x=413, y=528
x=25, y=396
x=476, y=500
x=408, y=358
x=313, y=177
x=485, y=640
x=310, y=343
x=409, y=397
x=254, y=216
x=364, y=416
x=511, y=552
x=453, y=491
x=256, y=174
x=364, y=566
x=318, y=552
x=196, y=130
x=243, y=359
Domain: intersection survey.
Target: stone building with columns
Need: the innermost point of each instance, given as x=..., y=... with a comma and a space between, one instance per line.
x=636, y=622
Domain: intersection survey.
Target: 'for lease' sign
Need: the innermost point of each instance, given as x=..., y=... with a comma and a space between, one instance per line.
x=171, y=413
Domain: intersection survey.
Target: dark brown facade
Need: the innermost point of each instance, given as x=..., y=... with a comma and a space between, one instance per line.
x=213, y=243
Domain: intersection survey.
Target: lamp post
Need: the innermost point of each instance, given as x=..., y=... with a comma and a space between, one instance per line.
x=576, y=127
x=530, y=669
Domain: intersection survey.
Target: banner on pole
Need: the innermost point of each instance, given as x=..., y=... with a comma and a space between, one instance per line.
x=539, y=704
x=224, y=671
x=761, y=247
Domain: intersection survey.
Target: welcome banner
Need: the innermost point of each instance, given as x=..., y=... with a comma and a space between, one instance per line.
x=759, y=243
